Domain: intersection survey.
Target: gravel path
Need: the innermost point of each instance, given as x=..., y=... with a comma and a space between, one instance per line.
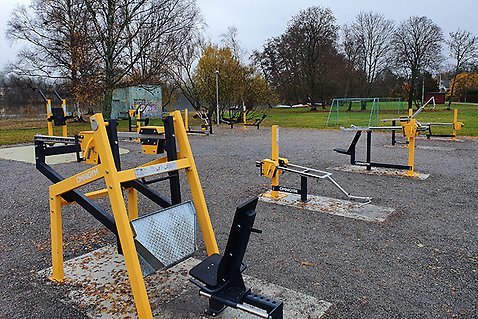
x=421, y=263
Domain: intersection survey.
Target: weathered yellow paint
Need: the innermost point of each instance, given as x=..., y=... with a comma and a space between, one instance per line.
x=185, y=152
x=58, y=272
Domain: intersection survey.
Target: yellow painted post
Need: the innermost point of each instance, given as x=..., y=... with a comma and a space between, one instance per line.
x=186, y=119
x=275, y=158
x=411, y=146
x=58, y=272
x=48, y=115
x=195, y=185
x=132, y=203
x=244, y=115
x=118, y=207
x=138, y=120
x=64, y=129
x=410, y=112
x=455, y=121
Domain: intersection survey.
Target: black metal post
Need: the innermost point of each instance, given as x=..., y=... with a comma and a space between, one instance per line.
x=369, y=146
x=393, y=133
x=172, y=155
x=303, y=188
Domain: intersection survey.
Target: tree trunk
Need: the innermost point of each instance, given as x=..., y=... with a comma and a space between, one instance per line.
x=452, y=91
x=107, y=101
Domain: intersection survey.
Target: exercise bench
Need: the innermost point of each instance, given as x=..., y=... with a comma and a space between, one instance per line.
x=219, y=277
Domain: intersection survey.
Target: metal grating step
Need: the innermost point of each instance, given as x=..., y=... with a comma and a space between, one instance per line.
x=165, y=238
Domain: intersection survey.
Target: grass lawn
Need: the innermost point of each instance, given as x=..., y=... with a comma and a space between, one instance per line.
x=14, y=131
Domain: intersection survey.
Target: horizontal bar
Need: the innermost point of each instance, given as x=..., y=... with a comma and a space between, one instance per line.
x=141, y=136
x=384, y=165
x=55, y=139
x=246, y=308
x=304, y=171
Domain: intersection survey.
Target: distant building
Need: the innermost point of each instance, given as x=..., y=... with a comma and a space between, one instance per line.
x=443, y=85
x=149, y=96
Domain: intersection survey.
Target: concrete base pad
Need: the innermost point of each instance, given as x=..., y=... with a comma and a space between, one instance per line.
x=379, y=171
x=98, y=283
x=332, y=206
x=26, y=154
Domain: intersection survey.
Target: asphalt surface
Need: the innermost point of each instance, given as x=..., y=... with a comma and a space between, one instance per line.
x=421, y=263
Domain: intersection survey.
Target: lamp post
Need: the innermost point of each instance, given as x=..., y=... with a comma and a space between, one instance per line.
x=217, y=98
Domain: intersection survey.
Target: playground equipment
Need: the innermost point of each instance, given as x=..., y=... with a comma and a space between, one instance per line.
x=56, y=116
x=273, y=167
x=410, y=128
x=345, y=104
x=135, y=118
x=149, y=242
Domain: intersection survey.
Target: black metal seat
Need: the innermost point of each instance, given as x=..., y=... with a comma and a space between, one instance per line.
x=219, y=277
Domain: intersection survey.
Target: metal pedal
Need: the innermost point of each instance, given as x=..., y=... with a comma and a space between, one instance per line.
x=166, y=237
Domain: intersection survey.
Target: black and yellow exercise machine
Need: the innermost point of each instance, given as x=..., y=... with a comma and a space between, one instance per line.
x=455, y=127
x=136, y=119
x=56, y=116
x=219, y=278
x=410, y=128
x=154, y=240
x=275, y=166
x=189, y=130
x=244, y=117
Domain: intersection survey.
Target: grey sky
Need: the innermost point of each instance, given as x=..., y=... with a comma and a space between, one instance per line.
x=258, y=20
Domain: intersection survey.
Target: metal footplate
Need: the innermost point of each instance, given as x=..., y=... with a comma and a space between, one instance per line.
x=219, y=277
x=165, y=238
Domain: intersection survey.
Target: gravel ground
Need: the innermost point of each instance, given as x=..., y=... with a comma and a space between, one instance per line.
x=421, y=263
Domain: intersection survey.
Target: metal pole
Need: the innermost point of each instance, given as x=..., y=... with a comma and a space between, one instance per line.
x=217, y=98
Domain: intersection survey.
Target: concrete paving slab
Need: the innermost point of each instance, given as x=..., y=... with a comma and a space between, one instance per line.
x=97, y=282
x=339, y=207
x=26, y=154
x=379, y=171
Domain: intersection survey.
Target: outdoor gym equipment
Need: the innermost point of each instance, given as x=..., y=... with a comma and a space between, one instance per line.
x=455, y=126
x=136, y=116
x=149, y=242
x=188, y=128
x=56, y=116
x=276, y=165
x=244, y=117
x=219, y=278
x=410, y=128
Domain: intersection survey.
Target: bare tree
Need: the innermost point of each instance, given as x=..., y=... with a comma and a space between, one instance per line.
x=417, y=48
x=350, y=48
x=230, y=39
x=59, y=45
x=303, y=63
x=372, y=33
x=463, y=48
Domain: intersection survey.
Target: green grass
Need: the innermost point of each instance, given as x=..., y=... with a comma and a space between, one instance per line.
x=302, y=117
x=15, y=131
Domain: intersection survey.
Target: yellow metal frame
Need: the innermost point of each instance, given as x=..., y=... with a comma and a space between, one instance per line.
x=122, y=213
x=456, y=125
x=410, y=131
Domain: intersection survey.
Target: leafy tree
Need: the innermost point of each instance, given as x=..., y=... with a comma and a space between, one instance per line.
x=463, y=49
x=464, y=83
x=417, y=48
x=237, y=83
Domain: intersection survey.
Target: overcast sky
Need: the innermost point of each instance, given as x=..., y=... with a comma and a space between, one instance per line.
x=258, y=20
